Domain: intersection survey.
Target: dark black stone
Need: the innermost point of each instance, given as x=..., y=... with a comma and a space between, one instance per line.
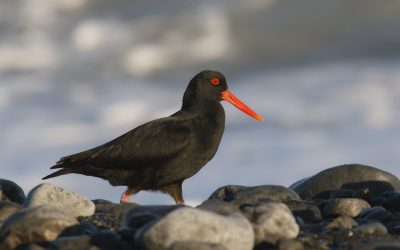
x=70, y=243
x=83, y=228
x=11, y=191
x=352, y=176
x=107, y=240
x=139, y=216
x=218, y=206
x=240, y=195
x=393, y=203
x=343, y=193
x=308, y=211
x=114, y=208
x=376, y=213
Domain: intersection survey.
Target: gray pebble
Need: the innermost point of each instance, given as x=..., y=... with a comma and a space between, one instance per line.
x=272, y=222
x=371, y=228
x=240, y=195
x=342, y=221
x=37, y=224
x=196, y=245
x=234, y=232
x=65, y=200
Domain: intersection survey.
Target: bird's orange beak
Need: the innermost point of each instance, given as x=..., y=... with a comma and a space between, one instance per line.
x=228, y=96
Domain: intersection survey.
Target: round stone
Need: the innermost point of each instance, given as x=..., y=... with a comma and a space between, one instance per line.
x=351, y=176
x=351, y=207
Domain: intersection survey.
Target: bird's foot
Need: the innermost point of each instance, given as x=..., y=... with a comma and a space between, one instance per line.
x=180, y=202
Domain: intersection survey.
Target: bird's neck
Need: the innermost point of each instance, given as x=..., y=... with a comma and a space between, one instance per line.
x=200, y=105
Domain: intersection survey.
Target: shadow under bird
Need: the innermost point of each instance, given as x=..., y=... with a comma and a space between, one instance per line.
x=161, y=154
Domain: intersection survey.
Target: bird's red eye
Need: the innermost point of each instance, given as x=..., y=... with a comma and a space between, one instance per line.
x=214, y=81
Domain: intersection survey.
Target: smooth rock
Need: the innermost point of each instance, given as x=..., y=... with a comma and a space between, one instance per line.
x=8, y=208
x=351, y=176
x=31, y=246
x=65, y=200
x=219, y=207
x=272, y=222
x=342, y=221
x=240, y=195
x=380, y=245
x=72, y=243
x=195, y=245
x=376, y=213
x=234, y=232
x=393, y=203
x=371, y=228
x=345, y=206
x=103, y=206
x=9, y=190
x=343, y=193
x=83, y=228
x=140, y=216
x=107, y=239
x=306, y=210
x=290, y=244
x=37, y=224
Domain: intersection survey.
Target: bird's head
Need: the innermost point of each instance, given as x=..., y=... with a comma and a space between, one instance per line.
x=211, y=85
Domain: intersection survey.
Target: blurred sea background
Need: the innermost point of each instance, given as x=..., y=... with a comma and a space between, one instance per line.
x=324, y=74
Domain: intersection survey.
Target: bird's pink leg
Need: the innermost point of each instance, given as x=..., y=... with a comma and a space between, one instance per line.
x=127, y=195
x=175, y=190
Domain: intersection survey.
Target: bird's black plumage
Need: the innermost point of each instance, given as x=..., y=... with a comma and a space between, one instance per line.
x=160, y=154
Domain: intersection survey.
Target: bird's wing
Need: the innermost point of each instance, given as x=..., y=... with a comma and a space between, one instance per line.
x=146, y=145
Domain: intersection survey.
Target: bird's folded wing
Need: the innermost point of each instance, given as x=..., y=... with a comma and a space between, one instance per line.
x=145, y=146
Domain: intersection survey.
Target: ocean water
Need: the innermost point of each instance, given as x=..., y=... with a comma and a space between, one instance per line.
x=316, y=116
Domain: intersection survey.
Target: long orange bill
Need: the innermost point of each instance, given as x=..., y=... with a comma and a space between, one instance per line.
x=228, y=96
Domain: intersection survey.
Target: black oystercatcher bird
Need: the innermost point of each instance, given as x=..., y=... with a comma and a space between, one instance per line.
x=161, y=154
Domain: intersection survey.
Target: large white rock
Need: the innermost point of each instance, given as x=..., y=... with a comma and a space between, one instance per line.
x=37, y=224
x=272, y=222
x=65, y=200
x=234, y=231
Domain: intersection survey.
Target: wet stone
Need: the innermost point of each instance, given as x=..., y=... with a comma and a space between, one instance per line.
x=107, y=239
x=219, y=207
x=240, y=195
x=9, y=190
x=306, y=210
x=83, y=228
x=351, y=176
x=376, y=213
x=393, y=203
x=345, y=206
x=72, y=243
x=140, y=216
x=343, y=193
